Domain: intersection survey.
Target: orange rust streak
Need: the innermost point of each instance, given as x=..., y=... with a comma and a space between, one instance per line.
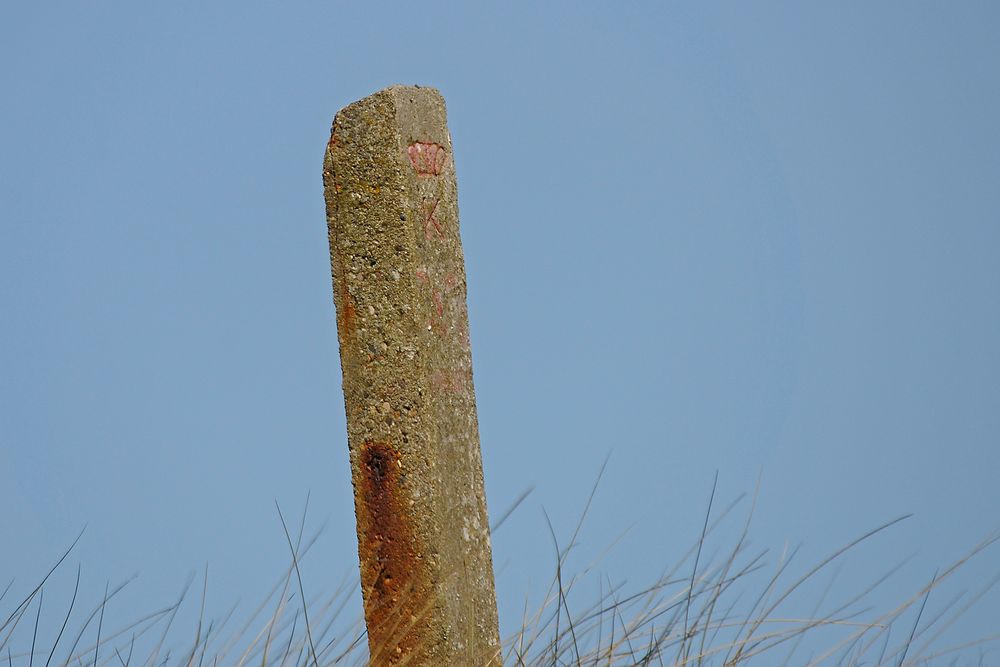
x=397, y=590
x=347, y=313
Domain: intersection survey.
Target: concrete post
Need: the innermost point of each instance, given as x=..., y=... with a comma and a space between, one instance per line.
x=400, y=293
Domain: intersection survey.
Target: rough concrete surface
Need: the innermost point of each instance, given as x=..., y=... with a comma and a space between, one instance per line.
x=400, y=294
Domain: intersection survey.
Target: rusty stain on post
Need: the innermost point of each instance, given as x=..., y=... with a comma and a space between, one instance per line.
x=413, y=435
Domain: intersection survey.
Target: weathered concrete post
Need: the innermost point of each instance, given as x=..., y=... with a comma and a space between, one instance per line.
x=399, y=288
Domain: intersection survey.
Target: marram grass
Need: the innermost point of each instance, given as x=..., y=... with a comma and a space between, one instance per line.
x=724, y=609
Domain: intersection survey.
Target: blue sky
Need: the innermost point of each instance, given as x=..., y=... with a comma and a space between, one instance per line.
x=763, y=241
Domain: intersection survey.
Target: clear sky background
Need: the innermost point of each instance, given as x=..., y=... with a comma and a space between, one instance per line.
x=758, y=240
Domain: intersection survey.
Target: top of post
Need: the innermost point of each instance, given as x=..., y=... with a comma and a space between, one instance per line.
x=419, y=109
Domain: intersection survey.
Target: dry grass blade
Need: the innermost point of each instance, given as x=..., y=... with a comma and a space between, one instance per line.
x=298, y=576
x=714, y=606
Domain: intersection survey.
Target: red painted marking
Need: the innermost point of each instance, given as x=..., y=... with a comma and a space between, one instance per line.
x=439, y=302
x=427, y=158
x=439, y=380
x=430, y=219
x=442, y=285
x=453, y=382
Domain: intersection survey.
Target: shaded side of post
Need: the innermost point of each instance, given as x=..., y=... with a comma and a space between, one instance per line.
x=400, y=293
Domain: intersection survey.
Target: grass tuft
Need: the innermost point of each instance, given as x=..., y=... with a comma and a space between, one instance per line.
x=714, y=606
